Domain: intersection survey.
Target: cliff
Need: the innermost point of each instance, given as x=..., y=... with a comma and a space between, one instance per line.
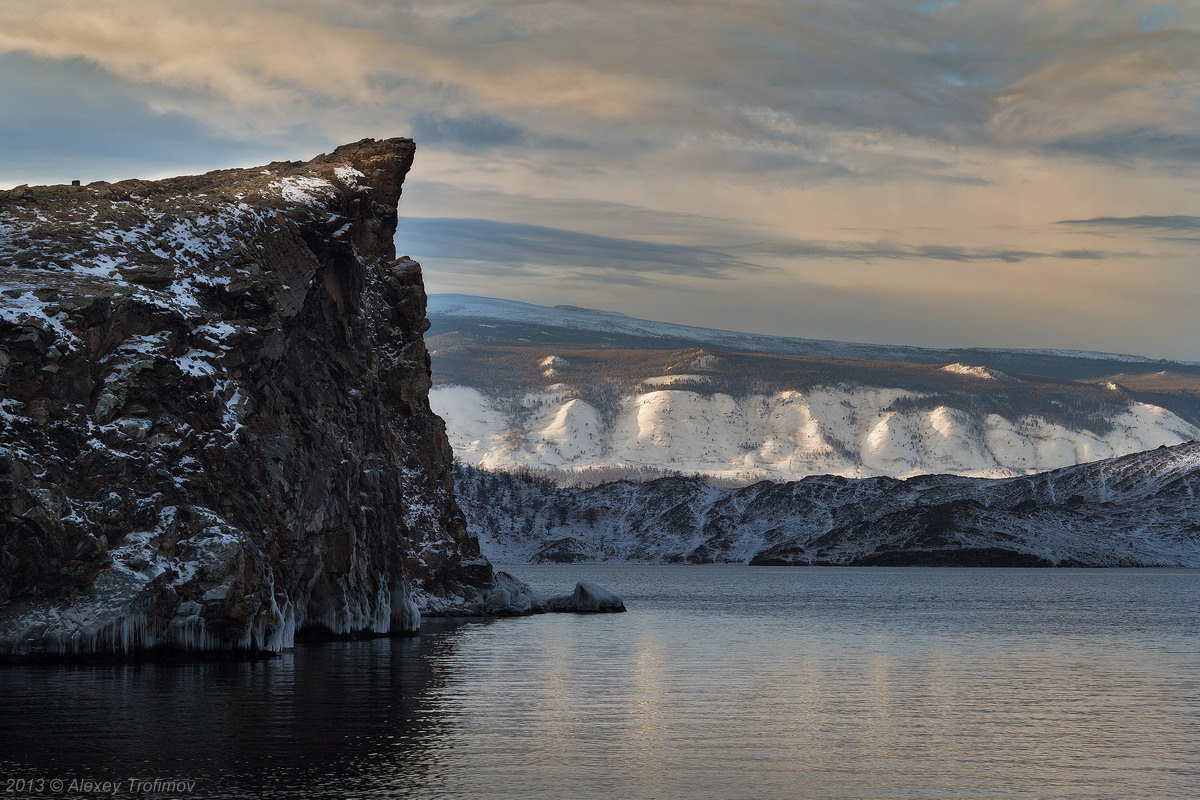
x=1136, y=510
x=215, y=429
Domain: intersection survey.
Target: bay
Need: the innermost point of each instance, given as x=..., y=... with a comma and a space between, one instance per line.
x=719, y=682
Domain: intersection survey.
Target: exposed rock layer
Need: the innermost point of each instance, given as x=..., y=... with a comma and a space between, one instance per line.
x=1137, y=510
x=215, y=427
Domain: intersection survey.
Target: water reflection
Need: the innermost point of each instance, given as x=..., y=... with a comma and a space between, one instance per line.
x=318, y=720
x=720, y=682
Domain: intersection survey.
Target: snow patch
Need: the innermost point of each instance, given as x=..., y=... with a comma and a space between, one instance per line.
x=26, y=309
x=305, y=190
x=347, y=174
x=197, y=363
x=983, y=373
x=835, y=430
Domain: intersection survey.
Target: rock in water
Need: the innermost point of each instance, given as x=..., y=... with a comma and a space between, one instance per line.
x=587, y=598
x=215, y=427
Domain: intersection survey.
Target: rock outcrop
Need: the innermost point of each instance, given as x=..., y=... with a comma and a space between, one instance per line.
x=588, y=598
x=1136, y=510
x=215, y=428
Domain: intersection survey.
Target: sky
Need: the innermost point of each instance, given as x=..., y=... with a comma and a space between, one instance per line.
x=1007, y=173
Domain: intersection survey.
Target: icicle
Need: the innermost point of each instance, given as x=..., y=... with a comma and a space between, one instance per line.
x=405, y=616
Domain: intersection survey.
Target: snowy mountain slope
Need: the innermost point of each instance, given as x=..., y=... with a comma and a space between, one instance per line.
x=524, y=386
x=853, y=431
x=1136, y=510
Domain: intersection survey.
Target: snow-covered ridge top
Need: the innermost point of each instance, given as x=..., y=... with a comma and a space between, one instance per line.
x=498, y=368
x=447, y=311
x=173, y=243
x=148, y=232
x=983, y=373
x=849, y=431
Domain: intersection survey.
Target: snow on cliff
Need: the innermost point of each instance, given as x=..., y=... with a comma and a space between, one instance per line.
x=215, y=428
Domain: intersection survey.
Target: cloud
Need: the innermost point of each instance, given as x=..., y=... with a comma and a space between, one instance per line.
x=474, y=132
x=1173, y=222
x=769, y=83
x=1126, y=144
x=672, y=144
x=506, y=249
x=55, y=111
x=519, y=249
x=481, y=132
x=440, y=198
x=884, y=250
x=1123, y=93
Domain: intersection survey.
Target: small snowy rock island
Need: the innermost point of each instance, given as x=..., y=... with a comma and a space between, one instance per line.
x=588, y=598
x=215, y=429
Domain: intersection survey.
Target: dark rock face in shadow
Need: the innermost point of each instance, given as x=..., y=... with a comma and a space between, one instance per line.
x=215, y=428
x=588, y=598
x=959, y=557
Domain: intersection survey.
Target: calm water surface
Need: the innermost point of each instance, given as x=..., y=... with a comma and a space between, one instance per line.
x=720, y=682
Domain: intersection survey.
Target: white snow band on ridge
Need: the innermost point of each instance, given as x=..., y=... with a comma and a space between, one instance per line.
x=782, y=436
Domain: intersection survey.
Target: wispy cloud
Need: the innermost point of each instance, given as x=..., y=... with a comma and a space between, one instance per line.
x=509, y=247
x=1172, y=222
x=492, y=247
x=42, y=114
x=883, y=250
x=482, y=132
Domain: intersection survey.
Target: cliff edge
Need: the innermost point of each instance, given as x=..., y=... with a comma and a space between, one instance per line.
x=215, y=428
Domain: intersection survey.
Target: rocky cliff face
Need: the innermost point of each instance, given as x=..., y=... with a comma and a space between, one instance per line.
x=215, y=429
x=1137, y=510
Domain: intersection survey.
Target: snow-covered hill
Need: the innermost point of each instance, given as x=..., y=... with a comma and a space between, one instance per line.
x=853, y=431
x=1136, y=510
x=576, y=390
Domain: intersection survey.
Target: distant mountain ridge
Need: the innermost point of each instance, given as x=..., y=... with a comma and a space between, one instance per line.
x=577, y=390
x=1136, y=510
x=512, y=320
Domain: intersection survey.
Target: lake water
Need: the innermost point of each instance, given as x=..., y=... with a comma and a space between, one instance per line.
x=720, y=682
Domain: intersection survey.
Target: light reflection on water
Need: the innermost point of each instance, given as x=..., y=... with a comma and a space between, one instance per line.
x=720, y=682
